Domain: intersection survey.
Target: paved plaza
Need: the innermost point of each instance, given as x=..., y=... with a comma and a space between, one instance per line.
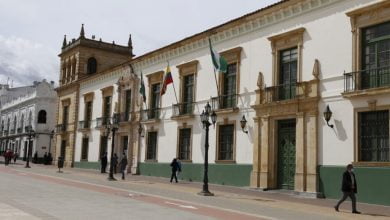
x=43, y=193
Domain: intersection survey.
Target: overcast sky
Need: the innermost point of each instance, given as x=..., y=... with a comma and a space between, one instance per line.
x=31, y=31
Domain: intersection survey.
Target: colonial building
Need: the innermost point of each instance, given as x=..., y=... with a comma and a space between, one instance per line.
x=81, y=59
x=286, y=63
x=25, y=108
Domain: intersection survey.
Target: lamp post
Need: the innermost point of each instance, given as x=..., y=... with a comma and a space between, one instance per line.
x=51, y=137
x=114, y=127
x=30, y=134
x=206, y=124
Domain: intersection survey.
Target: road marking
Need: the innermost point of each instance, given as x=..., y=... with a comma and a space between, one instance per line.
x=181, y=206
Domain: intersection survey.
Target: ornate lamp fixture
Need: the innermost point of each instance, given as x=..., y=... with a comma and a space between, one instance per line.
x=328, y=115
x=243, y=124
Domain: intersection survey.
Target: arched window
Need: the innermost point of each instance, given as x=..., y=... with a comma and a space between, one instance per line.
x=21, y=125
x=42, y=117
x=30, y=119
x=92, y=65
x=15, y=122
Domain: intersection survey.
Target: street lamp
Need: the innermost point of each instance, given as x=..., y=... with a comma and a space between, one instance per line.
x=30, y=134
x=114, y=127
x=204, y=117
x=243, y=124
x=328, y=115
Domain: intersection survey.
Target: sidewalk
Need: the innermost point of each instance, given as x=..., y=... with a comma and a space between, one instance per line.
x=243, y=193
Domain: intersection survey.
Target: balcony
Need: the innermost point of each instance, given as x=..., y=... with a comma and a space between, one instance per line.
x=20, y=130
x=84, y=125
x=150, y=114
x=5, y=132
x=101, y=122
x=125, y=117
x=224, y=102
x=60, y=128
x=183, y=109
x=367, y=82
x=281, y=92
x=12, y=131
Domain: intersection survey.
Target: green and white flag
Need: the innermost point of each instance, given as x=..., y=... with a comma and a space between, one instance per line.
x=219, y=62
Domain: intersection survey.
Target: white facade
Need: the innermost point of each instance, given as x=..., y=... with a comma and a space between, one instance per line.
x=22, y=110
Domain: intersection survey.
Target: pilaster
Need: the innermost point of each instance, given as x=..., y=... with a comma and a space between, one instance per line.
x=255, y=175
x=300, y=183
x=264, y=153
x=312, y=158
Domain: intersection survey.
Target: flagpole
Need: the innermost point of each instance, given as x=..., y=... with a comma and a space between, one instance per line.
x=215, y=75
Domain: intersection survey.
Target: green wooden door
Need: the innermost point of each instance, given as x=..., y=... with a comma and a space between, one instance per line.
x=286, y=154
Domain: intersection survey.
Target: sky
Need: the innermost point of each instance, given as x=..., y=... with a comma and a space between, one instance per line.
x=32, y=31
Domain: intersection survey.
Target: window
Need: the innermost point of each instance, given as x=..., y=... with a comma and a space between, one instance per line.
x=42, y=117
x=229, y=87
x=84, y=149
x=103, y=145
x=65, y=115
x=225, y=142
x=376, y=56
x=287, y=73
x=63, y=149
x=188, y=94
x=107, y=107
x=21, y=122
x=184, y=144
x=155, y=100
x=88, y=114
x=30, y=119
x=14, y=128
x=125, y=143
x=127, y=104
x=374, y=136
x=91, y=65
x=151, y=151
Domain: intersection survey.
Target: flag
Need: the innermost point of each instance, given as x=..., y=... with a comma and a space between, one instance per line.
x=167, y=79
x=219, y=62
x=142, y=89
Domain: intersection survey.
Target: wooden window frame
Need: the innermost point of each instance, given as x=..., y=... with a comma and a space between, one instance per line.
x=231, y=56
x=190, y=68
x=154, y=78
x=184, y=126
x=372, y=107
x=362, y=18
x=226, y=122
x=280, y=42
x=147, y=143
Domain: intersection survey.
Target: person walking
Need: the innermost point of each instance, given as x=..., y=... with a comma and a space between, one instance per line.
x=16, y=155
x=45, y=159
x=114, y=162
x=175, y=168
x=123, y=165
x=349, y=189
x=104, y=162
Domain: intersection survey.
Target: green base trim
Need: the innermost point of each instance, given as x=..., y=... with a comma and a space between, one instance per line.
x=87, y=165
x=372, y=183
x=224, y=174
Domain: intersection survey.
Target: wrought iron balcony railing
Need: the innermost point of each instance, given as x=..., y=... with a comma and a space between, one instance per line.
x=224, y=101
x=367, y=79
x=124, y=117
x=150, y=114
x=59, y=128
x=281, y=92
x=84, y=124
x=184, y=108
x=103, y=121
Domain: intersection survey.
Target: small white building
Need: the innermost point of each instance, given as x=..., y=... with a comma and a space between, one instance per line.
x=24, y=108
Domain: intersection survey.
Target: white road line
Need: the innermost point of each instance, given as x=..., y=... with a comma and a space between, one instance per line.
x=181, y=206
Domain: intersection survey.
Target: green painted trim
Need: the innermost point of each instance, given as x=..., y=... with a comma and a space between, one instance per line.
x=87, y=165
x=373, y=183
x=224, y=174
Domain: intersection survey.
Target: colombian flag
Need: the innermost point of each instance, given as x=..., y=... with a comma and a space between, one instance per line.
x=167, y=80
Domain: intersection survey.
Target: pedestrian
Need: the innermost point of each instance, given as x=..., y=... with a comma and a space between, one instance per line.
x=114, y=162
x=179, y=168
x=123, y=165
x=104, y=162
x=349, y=189
x=50, y=158
x=16, y=155
x=35, y=160
x=175, y=168
x=7, y=157
x=45, y=159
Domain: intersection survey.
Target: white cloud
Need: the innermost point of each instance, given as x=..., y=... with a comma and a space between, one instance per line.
x=23, y=61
